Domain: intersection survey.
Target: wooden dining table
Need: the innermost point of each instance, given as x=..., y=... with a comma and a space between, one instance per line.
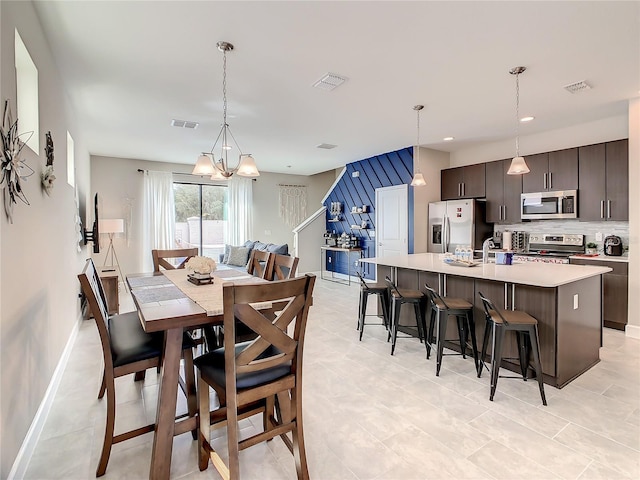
x=167, y=302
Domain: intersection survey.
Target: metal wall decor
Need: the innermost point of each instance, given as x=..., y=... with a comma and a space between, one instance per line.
x=14, y=169
x=48, y=176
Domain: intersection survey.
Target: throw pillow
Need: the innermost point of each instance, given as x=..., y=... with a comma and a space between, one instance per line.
x=238, y=256
x=225, y=258
x=260, y=246
x=279, y=249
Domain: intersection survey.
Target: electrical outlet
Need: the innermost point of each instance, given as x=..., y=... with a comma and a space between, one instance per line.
x=355, y=264
x=355, y=174
x=575, y=301
x=598, y=236
x=267, y=232
x=329, y=259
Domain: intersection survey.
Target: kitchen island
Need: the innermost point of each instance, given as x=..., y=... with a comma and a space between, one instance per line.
x=565, y=299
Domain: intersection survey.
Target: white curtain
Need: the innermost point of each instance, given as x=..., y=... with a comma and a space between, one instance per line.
x=158, y=222
x=240, y=223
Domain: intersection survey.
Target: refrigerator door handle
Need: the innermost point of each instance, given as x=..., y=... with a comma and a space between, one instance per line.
x=447, y=235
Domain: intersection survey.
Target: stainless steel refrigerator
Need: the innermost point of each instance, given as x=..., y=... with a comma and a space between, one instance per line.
x=457, y=223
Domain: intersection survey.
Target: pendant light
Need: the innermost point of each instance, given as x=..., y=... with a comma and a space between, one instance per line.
x=207, y=164
x=418, y=179
x=518, y=165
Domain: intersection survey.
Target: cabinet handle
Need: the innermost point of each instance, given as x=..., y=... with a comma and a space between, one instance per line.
x=463, y=189
x=608, y=208
x=504, y=209
x=601, y=208
x=550, y=181
x=544, y=181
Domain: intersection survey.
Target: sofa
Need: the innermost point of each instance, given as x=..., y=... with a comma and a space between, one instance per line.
x=237, y=257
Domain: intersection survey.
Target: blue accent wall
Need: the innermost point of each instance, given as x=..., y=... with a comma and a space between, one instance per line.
x=386, y=170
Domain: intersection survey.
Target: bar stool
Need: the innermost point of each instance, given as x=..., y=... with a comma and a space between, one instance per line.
x=367, y=289
x=526, y=328
x=443, y=308
x=400, y=297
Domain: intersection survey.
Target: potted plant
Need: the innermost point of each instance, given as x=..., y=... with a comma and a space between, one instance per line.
x=592, y=248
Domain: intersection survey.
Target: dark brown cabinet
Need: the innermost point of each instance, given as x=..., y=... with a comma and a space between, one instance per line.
x=604, y=181
x=615, y=292
x=463, y=182
x=551, y=171
x=502, y=193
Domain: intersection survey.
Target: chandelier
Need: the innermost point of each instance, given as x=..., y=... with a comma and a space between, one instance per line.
x=219, y=169
x=518, y=165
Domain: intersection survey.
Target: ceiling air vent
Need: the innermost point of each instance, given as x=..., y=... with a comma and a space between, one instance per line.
x=577, y=87
x=184, y=124
x=326, y=146
x=329, y=81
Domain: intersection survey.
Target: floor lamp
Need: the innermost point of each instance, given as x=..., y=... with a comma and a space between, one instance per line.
x=111, y=226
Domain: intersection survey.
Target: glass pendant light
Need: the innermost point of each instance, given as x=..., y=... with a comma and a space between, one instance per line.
x=418, y=179
x=518, y=165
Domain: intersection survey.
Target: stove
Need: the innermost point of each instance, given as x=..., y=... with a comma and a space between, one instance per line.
x=552, y=248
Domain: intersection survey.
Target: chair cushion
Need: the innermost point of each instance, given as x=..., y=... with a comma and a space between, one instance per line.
x=211, y=366
x=130, y=343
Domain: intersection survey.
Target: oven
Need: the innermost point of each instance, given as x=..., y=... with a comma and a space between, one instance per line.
x=552, y=248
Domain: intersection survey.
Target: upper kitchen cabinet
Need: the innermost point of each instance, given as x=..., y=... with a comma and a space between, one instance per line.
x=604, y=181
x=551, y=171
x=503, y=193
x=462, y=182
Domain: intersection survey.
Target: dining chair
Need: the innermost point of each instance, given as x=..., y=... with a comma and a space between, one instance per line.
x=160, y=258
x=259, y=263
x=263, y=375
x=126, y=349
x=283, y=267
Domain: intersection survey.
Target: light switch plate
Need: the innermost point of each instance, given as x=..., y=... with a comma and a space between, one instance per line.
x=575, y=301
x=598, y=236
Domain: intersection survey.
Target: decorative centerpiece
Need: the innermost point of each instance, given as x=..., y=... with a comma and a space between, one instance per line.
x=592, y=248
x=202, y=268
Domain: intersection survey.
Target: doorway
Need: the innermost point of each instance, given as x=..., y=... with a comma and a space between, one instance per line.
x=392, y=220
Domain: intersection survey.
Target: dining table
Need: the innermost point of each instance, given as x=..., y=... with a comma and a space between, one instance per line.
x=167, y=302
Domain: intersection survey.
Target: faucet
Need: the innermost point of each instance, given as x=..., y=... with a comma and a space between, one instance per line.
x=486, y=245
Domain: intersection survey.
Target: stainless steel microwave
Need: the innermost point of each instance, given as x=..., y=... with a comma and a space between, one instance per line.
x=549, y=205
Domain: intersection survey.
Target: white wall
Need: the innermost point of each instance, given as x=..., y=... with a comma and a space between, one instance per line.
x=604, y=130
x=633, y=327
x=120, y=187
x=266, y=203
x=431, y=163
x=39, y=259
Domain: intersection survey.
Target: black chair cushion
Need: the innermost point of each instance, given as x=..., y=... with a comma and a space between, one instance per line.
x=211, y=366
x=130, y=343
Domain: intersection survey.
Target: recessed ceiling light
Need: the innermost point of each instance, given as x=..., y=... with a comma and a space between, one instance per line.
x=447, y=139
x=326, y=146
x=526, y=119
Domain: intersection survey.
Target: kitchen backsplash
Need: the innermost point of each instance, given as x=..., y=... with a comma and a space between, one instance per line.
x=588, y=229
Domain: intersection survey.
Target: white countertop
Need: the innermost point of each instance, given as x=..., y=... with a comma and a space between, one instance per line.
x=530, y=273
x=603, y=258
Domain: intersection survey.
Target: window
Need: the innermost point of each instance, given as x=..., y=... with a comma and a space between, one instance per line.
x=71, y=161
x=201, y=217
x=26, y=96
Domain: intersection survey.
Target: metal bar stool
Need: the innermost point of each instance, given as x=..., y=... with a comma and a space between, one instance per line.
x=442, y=308
x=367, y=289
x=398, y=298
x=526, y=328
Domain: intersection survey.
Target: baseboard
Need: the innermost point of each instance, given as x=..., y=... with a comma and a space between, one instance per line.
x=632, y=331
x=20, y=464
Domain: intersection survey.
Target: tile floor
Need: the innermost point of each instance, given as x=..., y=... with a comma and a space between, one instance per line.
x=372, y=416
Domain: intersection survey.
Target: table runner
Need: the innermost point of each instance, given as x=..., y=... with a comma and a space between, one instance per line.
x=209, y=297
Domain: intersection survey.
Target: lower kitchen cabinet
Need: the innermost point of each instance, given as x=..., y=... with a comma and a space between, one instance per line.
x=615, y=292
